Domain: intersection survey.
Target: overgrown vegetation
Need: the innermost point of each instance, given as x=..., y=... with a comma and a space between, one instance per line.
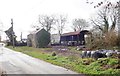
x=104, y=25
x=109, y=40
x=105, y=66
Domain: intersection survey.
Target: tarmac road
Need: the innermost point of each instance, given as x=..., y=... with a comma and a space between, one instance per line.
x=18, y=63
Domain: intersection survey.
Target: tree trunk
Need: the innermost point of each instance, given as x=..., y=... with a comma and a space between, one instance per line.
x=118, y=21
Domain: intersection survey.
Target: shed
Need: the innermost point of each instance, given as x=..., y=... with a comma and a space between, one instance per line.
x=74, y=38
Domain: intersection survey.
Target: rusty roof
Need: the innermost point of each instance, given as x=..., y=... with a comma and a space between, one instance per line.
x=71, y=33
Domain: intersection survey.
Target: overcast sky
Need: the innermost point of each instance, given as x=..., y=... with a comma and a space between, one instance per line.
x=25, y=12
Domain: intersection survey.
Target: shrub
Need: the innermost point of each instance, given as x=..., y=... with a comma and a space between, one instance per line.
x=118, y=42
x=111, y=39
x=96, y=43
x=53, y=54
x=106, y=41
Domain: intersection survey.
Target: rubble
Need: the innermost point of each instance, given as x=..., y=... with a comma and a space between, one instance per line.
x=99, y=53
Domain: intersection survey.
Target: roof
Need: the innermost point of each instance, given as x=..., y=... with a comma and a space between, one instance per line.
x=71, y=33
x=36, y=31
x=74, y=33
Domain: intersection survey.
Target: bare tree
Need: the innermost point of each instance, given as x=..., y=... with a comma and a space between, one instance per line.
x=60, y=23
x=46, y=22
x=115, y=18
x=103, y=2
x=79, y=24
x=35, y=26
x=106, y=19
x=108, y=4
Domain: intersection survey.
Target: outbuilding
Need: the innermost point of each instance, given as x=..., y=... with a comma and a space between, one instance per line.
x=39, y=38
x=74, y=38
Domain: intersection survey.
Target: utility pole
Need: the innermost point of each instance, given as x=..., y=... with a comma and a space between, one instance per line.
x=13, y=41
x=21, y=36
x=1, y=30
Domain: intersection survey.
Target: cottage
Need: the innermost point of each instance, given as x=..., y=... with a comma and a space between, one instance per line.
x=39, y=38
x=73, y=38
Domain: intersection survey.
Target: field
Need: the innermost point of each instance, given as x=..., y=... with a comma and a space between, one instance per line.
x=70, y=59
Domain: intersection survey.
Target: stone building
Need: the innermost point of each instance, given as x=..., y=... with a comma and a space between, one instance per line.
x=38, y=39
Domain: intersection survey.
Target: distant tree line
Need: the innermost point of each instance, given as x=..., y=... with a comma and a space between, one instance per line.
x=104, y=33
x=59, y=22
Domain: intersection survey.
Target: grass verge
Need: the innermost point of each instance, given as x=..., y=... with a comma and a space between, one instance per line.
x=105, y=66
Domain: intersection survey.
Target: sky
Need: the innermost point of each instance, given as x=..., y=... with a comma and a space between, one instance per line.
x=25, y=13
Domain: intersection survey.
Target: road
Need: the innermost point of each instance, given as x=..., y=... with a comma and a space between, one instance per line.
x=18, y=63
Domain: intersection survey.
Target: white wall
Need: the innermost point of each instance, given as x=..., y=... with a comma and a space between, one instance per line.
x=55, y=38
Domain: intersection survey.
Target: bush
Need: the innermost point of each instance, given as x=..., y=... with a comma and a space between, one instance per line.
x=106, y=41
x=53, y=54
x=96, y=43
x=118, y=43
x=111, y=39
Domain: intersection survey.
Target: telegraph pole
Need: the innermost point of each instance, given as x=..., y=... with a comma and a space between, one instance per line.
x=1, y=30
x=21, y=36
x=13, y=41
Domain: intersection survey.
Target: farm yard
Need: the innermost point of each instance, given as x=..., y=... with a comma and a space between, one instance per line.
x=70, y=58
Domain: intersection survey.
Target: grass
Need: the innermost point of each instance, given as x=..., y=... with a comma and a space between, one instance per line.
x=87, y=66
x=73, y=48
